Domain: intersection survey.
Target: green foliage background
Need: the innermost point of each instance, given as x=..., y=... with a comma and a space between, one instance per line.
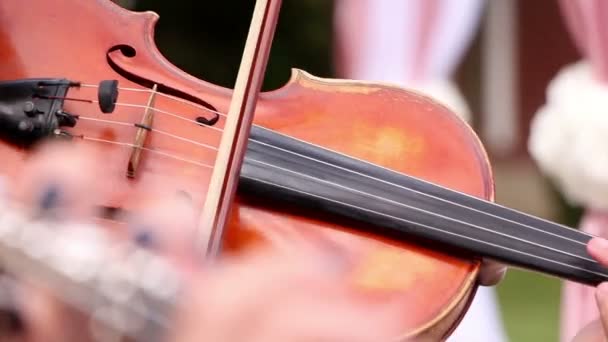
x=206, y=38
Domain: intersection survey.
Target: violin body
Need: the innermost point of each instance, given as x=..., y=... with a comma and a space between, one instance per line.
x=96, y=40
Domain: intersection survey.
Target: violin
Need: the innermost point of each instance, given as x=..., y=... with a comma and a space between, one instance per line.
x=389, y=180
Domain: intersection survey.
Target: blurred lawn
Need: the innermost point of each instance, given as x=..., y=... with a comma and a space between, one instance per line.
x=530, y=306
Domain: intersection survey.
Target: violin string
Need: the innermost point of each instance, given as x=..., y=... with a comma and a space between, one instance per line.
x=156, y=109
x=432, y=214
x=348, y=170
x=158, y=94
x=167, y=113
x=145, y=107
x=374, y=178
x=408, y=188
x=384, y=199
x=605, y=275
x=418, y=192
x=168, y=155
x=167, y=96
x=377, y=197
x=156, y=130
x=387, y=215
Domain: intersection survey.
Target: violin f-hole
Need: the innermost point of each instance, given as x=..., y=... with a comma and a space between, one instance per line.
x=126, y=50
x=115, y=58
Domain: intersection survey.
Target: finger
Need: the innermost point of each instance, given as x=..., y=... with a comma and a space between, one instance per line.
x=598, y=248
x=601, y=296
x=491, y=273
x=48, y=319
x=330, y=311
x=239, y=292
x=167, y=225
x=592, y=332
x=62, y=178
x=61, y=181
x=272, y=296
x=302, y=318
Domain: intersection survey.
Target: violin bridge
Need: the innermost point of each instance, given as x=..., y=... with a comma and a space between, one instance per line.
x=142, y=133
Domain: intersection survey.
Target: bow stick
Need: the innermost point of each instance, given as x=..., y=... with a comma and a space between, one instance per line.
x=233, y=144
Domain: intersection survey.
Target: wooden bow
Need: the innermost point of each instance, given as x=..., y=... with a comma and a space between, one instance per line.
x=233, y=145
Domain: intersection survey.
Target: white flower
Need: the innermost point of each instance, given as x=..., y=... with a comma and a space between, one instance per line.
x=569, y=136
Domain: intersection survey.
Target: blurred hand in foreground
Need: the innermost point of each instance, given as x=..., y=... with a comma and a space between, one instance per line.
x=262, y=296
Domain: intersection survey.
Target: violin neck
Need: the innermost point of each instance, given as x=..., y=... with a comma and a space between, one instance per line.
x=401, y=207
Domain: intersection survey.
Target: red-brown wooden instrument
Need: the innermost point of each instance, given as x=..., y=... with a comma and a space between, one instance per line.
x=388, y=132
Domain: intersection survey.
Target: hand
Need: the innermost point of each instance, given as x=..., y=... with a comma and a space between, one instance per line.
x=597, y=331
x=491, y=273
x=271, y=297
x=262, y=296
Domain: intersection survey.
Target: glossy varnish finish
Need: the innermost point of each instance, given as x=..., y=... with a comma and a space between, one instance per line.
x=397, y=129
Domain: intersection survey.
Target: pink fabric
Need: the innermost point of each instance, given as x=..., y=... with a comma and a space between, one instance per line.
x=348, y=49
x=573, y=17
x=415, y=40
x=578, y=301
x=429, y=14
x=586, y=20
